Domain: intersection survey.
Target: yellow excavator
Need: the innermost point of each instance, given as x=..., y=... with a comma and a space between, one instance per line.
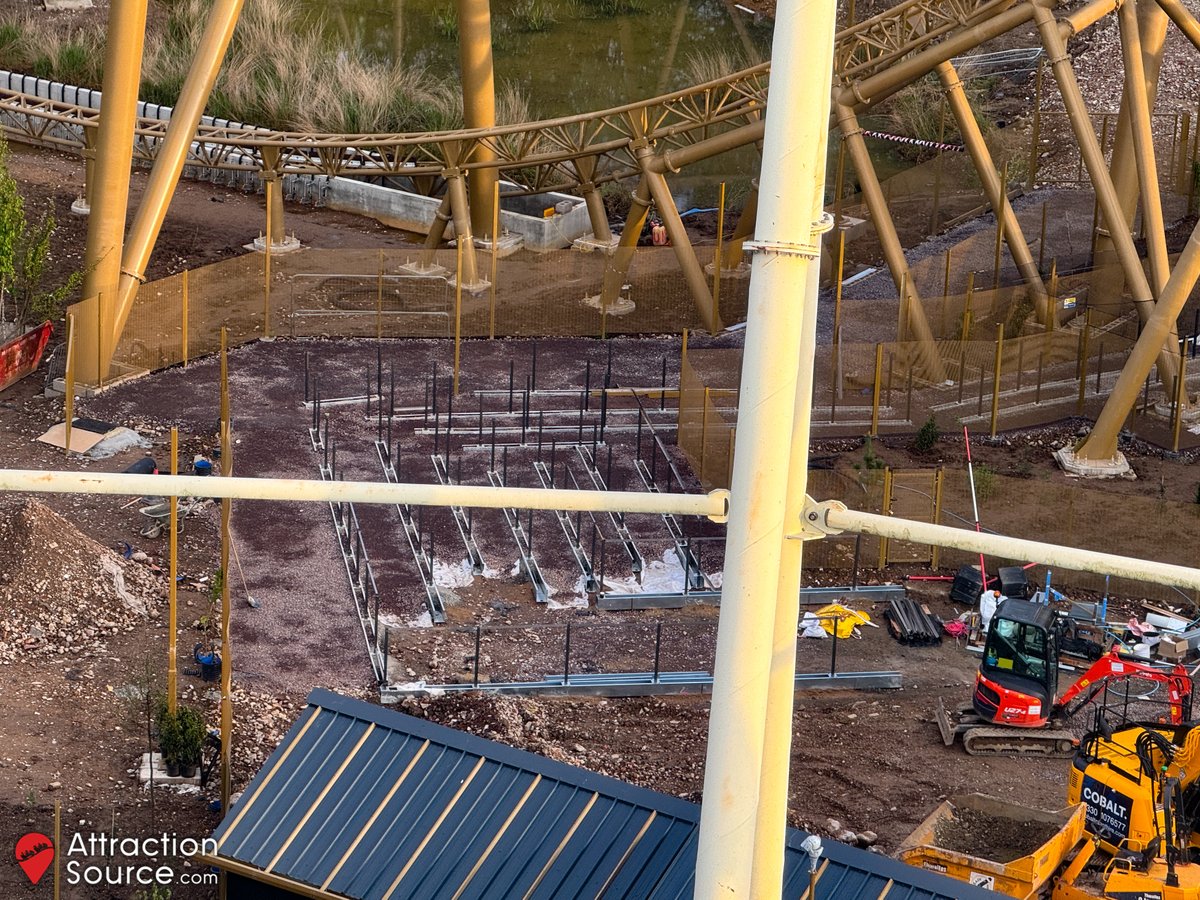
x=1131, y=832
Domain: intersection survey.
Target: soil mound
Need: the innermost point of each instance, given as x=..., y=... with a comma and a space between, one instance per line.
x=60, y=591
x=1000, y=839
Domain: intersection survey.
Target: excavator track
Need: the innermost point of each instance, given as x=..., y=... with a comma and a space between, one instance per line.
x=1046, y=742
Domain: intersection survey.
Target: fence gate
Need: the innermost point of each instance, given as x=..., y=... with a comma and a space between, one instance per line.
x=911, y=494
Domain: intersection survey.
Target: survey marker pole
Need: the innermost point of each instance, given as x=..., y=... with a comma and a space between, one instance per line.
x=739, y=855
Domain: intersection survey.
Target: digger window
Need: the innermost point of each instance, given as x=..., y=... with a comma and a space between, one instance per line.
x=1018, y=648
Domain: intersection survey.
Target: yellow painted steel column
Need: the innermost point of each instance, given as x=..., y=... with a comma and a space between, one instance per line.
x=1108, y=279
x=731, y=256
x=741, y=840
x=1101, y=443
x=1106, y=195
x=617, y=266
x=479, y=103
x=910, y=302
x=1141, y=126
x=164, y=176
x=693, y=273
x=456, y=190
x=992, y=186
x=110, y=193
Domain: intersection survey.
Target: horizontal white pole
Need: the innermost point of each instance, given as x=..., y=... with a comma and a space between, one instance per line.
x=479, y=496
x=839, y=518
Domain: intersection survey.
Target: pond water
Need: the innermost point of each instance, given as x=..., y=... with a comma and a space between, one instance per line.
x=588, y=55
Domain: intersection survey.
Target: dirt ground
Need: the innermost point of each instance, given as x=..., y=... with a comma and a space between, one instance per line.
x=871, y=760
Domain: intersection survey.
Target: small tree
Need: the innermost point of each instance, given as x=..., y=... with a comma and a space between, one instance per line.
x=928, y=436
x=33, y=301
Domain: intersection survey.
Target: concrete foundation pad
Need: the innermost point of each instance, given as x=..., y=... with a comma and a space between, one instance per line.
x=1118, y=467
x=1165, y=409
x=287, y=245
x=80, y=207
x=419, y=268
x=474, y=287
x=740, y=271
x=56, y=5
x=160, y=772
x=622, y=306
x=506, y=246
x=590, y=244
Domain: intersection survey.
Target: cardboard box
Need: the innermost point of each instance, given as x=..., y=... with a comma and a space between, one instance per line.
x=1173, y=649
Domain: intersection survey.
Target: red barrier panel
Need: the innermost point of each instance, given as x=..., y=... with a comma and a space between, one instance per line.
x=21, y=355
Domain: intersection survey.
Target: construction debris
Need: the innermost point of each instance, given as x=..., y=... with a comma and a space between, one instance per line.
x=912, y=623
x=60, y=591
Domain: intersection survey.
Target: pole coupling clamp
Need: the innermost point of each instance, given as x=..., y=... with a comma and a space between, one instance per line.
x=810, y=248
x=814, y=519
x=722, y=495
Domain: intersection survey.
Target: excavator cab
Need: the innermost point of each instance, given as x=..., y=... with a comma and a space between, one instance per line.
x=1018, y=678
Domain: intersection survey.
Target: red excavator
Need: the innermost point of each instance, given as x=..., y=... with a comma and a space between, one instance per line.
x=1016, y=707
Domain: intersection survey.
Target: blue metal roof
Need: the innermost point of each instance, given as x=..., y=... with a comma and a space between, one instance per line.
x=364, y=802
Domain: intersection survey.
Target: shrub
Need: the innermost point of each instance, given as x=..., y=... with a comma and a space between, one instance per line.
x=928, y=436
x=870, y=460
x=985, y=481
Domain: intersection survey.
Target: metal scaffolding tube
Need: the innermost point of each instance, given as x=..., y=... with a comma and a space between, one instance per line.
x=740, y=851
x=1006, y=219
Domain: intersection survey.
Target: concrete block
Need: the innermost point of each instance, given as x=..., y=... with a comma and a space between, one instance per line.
x=1086, y=468
x=59, y=5
x=160, y=772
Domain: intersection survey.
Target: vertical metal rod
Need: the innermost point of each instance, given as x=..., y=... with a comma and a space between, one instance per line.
x=1099, y=366
x=305, y=376
x=480, y=418
x=533, y=369
x=325, y=443
x=657, y=648
x=478, y=640
x=662, y=398
x=391, y=388
x=510, y=385
x=608, y=469
x=833, y=653
x=587, y=385
x=875, y=392
x=567, y=656
x=504, y=462
x=553, y=460
x=425, y=405
x=492, y=465
x=996, y=376
x=1042, y=241
x=387, y=652
x=604, y=408
x=541, y=418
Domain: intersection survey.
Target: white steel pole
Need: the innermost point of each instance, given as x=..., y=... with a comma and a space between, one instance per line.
x=786, y=246
x=36, y=481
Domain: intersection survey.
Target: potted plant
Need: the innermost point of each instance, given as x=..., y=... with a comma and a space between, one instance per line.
x=170, y=740
x=192, y=733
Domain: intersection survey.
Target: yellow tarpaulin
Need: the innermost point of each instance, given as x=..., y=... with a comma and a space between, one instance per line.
x=844, y=620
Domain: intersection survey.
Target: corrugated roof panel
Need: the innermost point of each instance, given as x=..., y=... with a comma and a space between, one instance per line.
x=368, y=803
x=589, y=846
x=285, y=798
x=407, y=821
x=449, y=865
x=664, y=839
x=349, y=805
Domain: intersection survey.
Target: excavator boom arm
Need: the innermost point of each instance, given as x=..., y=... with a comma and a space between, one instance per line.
x=1112, y=666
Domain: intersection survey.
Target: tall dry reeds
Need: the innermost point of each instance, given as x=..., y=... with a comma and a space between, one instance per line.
x=282, y=71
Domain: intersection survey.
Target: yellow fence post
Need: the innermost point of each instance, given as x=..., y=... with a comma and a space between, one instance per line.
x=704, y=434
x=875, y=391
x=495, y=250
x=267, y=268
x=716, y=292
x=379, y=300
x=1180, y=399
x=69, y=381
x=172, y=568
x=936, y=556
x=457, y=319
x=184, y=320
x=1083, y=355
x=886, y=510
x=996, y=376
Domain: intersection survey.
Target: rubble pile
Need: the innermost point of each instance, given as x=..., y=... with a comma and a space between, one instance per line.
x=259, y=723
x=60, y=591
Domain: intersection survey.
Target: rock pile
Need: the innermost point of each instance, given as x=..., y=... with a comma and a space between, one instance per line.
x=60, y=591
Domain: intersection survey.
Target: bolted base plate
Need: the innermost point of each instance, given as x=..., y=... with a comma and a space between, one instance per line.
x=1117, y=467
